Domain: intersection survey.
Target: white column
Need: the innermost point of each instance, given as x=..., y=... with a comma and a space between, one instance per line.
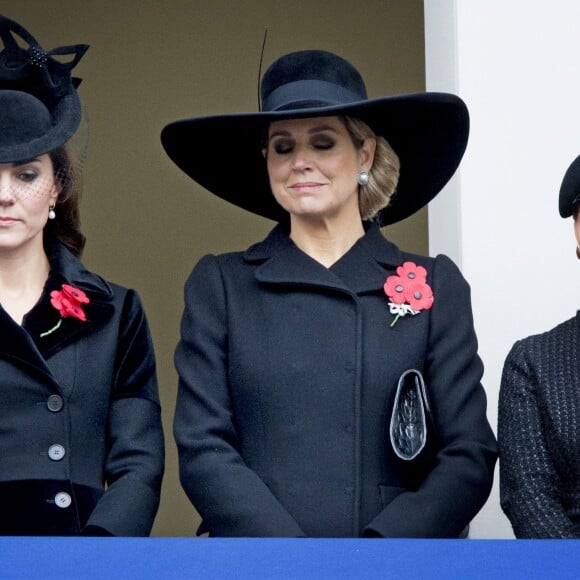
x=516, y=63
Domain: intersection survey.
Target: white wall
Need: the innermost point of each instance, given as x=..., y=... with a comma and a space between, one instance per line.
x=516, y=63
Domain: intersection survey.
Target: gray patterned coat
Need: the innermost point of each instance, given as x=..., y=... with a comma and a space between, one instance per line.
x=539, y=434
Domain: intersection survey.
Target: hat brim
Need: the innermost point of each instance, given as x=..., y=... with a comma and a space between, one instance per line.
x=428, y=131
x=66, y=117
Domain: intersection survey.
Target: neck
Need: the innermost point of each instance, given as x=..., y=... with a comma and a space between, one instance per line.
x=326, y=241
x=22, y=279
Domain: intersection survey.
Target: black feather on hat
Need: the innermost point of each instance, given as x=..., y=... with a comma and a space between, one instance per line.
x=39, y=106
x=428, y=131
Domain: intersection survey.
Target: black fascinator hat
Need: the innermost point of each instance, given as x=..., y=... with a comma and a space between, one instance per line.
x=570, y=189
x=428, y=131
x=39, y=106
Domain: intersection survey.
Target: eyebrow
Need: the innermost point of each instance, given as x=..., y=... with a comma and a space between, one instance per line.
x=311, y=131
x=25, y=161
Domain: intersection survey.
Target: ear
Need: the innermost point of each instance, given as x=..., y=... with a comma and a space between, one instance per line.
x=367, y=153
x=55, y=192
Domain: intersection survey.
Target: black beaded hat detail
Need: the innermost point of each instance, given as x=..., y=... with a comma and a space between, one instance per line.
x=428, y=131
x=39, y=106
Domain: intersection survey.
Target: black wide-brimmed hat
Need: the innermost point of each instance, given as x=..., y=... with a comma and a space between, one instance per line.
x=428, y=131
x=570, y=189
x=39, y=105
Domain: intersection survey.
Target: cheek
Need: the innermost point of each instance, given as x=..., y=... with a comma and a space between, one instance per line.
x=278, y=174
x=342, y=167
x=39, y=207
x=346, y=173
x=274, y=167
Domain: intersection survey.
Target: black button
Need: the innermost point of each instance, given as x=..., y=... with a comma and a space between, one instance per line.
x=55, y=403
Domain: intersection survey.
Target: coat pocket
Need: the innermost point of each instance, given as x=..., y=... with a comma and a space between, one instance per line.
x=389, y=493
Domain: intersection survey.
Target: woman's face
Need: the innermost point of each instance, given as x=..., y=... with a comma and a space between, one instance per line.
x=27, y=190
x=313, y=166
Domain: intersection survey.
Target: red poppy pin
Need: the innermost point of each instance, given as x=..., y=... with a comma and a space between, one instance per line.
x=69, y=302
x=408, y=291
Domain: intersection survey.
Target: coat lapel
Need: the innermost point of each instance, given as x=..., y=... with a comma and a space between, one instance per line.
x=72, y=329
x=98, y=311
x=365, y=267
x=28, y=346
x=362, y=269
x=17, y=346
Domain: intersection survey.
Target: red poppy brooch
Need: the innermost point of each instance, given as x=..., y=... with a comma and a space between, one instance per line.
x=408, y=291
x=69, y=302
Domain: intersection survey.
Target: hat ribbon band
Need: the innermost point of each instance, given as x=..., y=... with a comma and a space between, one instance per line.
x=309, y=90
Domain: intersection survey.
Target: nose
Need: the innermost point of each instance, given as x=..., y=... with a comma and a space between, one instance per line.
x=301, y=159
x=6, y=189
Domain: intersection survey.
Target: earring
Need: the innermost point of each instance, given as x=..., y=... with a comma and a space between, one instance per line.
x=51, y=212
x=363, y=178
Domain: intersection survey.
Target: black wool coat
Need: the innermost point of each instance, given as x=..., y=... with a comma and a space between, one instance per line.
x=539, y=434
x=81, y=443
x=288, y=373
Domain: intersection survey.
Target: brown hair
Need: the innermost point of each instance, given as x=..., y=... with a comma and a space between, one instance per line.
x=66, y=226
x=384, y=173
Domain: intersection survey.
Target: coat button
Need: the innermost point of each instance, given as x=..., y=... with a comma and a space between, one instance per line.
x=56, y=452
x=54, y=403
x=62, y=499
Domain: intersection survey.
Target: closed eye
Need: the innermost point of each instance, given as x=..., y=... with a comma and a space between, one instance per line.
x=28, y=175
x=283, y=146
x=323, y=143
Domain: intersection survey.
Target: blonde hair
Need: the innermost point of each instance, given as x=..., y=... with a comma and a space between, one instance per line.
x=384, y=173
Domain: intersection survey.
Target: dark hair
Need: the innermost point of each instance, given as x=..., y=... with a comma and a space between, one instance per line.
x=66, y=226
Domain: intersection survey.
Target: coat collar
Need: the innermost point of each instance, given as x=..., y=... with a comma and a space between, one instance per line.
x=67, y=269
x=28, y=347
x=73, y=272
x=362, y=269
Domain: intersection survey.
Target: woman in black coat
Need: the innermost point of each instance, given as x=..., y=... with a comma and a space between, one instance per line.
x=539, y=418
x=329, y=382
x=81, y=444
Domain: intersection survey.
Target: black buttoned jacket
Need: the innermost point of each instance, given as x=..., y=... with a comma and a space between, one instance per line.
x=81, y=443
x=288, y=372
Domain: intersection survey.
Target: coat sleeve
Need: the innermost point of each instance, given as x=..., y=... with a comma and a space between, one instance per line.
x=458, y=485
x=135, y=461
x=529, y=483
x=230, y=497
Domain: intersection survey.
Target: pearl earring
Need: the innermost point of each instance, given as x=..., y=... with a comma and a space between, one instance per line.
x=363, y=178
x=51, y=212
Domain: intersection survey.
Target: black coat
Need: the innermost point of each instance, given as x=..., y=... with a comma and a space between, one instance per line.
x=288, y=372
x=81, y=443
x=539, y=434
